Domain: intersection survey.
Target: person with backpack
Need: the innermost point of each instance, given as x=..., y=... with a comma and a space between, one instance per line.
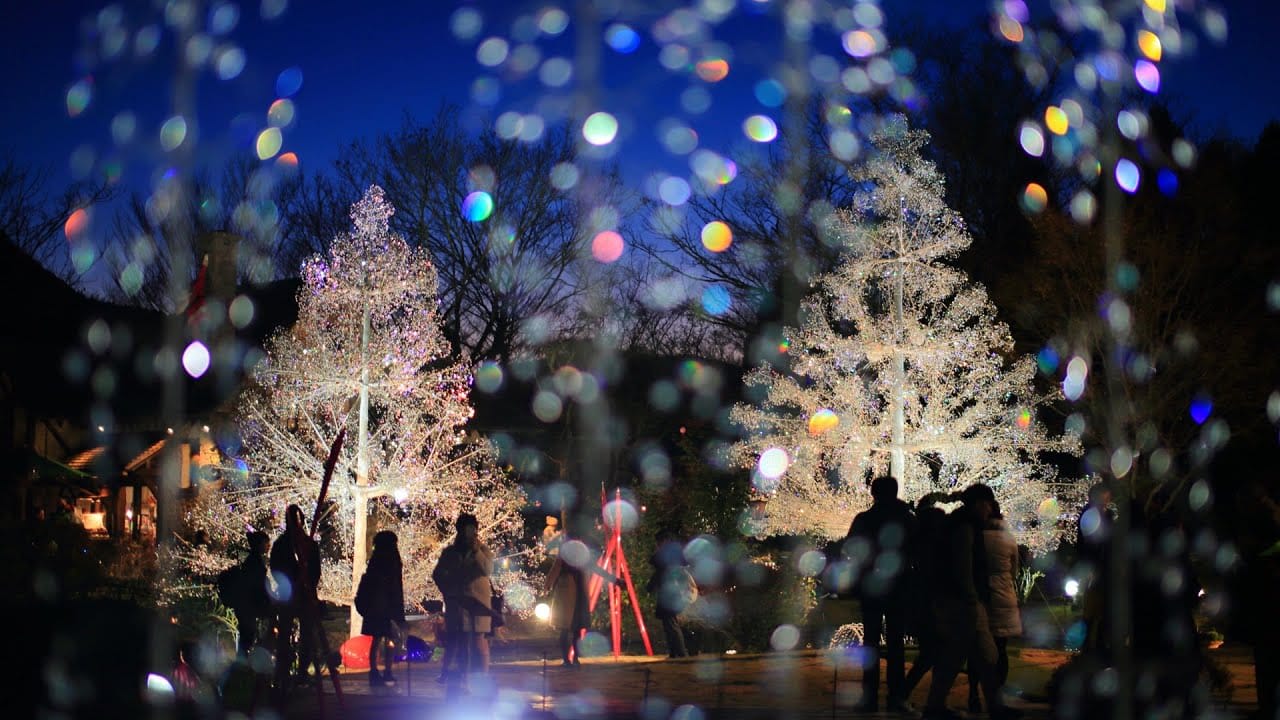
x=380, y=602
x=879, y=545
x=243, y=588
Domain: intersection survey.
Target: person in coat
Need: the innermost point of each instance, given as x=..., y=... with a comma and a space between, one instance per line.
x=879, y=544
x=380, y=602
x=1003, y=615
x=567, y=584
x=295, y=568
x=962, y=594
x=257, y=603
x=674, y=590
x=462, y=575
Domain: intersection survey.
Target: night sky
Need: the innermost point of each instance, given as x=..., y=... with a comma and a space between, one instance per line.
x=364, y=64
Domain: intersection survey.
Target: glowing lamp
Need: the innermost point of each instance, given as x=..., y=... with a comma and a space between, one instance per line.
x=542, y=611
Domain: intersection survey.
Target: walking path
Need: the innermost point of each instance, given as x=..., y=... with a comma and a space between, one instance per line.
x=801, y=686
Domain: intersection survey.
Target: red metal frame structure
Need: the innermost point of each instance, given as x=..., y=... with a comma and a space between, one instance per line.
x=614, y=562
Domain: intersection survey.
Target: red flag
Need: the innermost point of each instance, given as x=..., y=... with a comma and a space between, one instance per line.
x=329, y=465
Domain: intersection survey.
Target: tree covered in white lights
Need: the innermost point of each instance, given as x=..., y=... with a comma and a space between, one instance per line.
x=366, y=354
x=899, y=367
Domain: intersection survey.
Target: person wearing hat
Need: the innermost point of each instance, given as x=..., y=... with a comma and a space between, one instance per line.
x=462, y=574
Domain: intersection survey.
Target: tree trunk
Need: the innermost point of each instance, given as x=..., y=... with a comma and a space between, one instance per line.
x=897, y=459
x=360, y=532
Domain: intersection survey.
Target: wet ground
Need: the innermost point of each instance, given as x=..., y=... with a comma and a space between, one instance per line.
x=799, y=685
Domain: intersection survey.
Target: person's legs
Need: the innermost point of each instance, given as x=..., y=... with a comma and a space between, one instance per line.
x=566, y=644
x=922, y=665
x=675, y=636
x=1002, y=660
x=247, y=628
x=895, y=652
x=480, y=654
x=284, y=650
x=374, y=677
x=872, y=628
x=956, y=635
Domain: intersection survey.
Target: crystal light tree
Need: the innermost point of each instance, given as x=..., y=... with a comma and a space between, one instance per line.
x=899, y=367
x=366, y=354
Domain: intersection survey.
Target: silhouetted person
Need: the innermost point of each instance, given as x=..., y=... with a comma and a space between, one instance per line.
x=380, y=602
x=962, y=593
x=295, y=567
x=930, y=546
x=255, y=603
x=1003, y=614
x=674, y=590
x=463, y=577
x=879, y=545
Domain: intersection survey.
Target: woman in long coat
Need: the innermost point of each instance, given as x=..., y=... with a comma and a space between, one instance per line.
x=380, y=601
x=567, y=584
x=1003, y=615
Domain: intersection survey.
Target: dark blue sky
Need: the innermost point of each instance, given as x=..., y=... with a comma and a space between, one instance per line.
x=363, y=64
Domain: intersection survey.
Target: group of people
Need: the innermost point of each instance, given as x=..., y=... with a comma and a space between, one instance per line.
x=949, y=580
x=278, y=582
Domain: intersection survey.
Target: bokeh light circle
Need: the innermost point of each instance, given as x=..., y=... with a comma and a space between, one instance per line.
x=268, y=143
x=773, y=462
x=760, y=128
x=195, y=359
x=477, y=206
x=600, y=128
x=607, y=246
x=822, y=420
x=717, y=236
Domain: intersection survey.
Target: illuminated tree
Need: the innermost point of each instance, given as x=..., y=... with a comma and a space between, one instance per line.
x=367, y=354
x=899, y=367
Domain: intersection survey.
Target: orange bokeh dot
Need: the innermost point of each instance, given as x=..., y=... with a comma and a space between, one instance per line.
x=288, y=159
x=716, y=236
x=607, y=246
x=713, y=70
x=77, y=222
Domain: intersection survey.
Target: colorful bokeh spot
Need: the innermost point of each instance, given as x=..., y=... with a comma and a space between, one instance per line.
x=784, y=346
x=78, y=96
x=489, y=377
x=822, y=421
x=1049, y=508
x=281, y=113
x=1201, y=408
x=607, y=246
x=760, y=128
x=1149, y=44
x=1047, y=360
x=859, y=43
x=478, y=206
x=716, y=236
x=1024, y=419
x=1147, y=75
x=600, y=128
x=773, y=463
x=1055, y=118
x=1034, y=198
x=712, y=70
x=1127, y=175
x=268, y=143
x=173, y=132
x=622, y=38
x=77, y=223
x=287, y=161
x=716, y=300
